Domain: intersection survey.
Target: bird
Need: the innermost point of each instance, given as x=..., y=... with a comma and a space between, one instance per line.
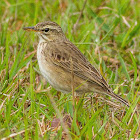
x=64, y=66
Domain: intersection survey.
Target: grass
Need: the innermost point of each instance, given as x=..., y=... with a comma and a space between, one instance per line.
x=107, y=33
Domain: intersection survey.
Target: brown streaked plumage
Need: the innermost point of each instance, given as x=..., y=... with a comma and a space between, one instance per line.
x=58, y=58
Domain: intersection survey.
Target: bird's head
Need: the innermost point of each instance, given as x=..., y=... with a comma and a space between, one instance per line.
x=47, y=31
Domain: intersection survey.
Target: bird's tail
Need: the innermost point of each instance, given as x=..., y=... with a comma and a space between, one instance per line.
x=117, y=97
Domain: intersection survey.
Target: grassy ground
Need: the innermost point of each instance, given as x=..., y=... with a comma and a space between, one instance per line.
x=107, y=33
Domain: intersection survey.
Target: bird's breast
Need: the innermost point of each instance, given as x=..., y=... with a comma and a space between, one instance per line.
x=50, y=72
x=42, y=60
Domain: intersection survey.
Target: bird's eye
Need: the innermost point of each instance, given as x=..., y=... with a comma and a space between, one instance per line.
x=46, y=29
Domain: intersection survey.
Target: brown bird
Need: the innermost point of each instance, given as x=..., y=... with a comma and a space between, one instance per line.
x=63, y=65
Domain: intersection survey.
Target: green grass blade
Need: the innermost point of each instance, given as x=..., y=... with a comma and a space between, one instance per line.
x=133, y=30
x=90, y=122
x=124, y=68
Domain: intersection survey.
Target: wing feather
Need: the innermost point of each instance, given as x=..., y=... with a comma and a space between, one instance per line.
x=71, y=59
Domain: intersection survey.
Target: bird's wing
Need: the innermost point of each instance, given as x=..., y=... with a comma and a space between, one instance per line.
x=71, y=59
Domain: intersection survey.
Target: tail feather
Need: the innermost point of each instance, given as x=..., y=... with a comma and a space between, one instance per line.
x=117, y=97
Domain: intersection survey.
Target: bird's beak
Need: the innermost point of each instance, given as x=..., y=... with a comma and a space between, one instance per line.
x=30, y=29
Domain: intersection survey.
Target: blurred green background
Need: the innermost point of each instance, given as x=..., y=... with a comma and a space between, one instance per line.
x=107, y=33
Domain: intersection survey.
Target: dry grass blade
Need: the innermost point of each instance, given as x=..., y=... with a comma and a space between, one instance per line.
x=13, y=135
x=81, y=12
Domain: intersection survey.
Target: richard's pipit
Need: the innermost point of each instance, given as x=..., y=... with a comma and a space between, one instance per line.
x=63, y=65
